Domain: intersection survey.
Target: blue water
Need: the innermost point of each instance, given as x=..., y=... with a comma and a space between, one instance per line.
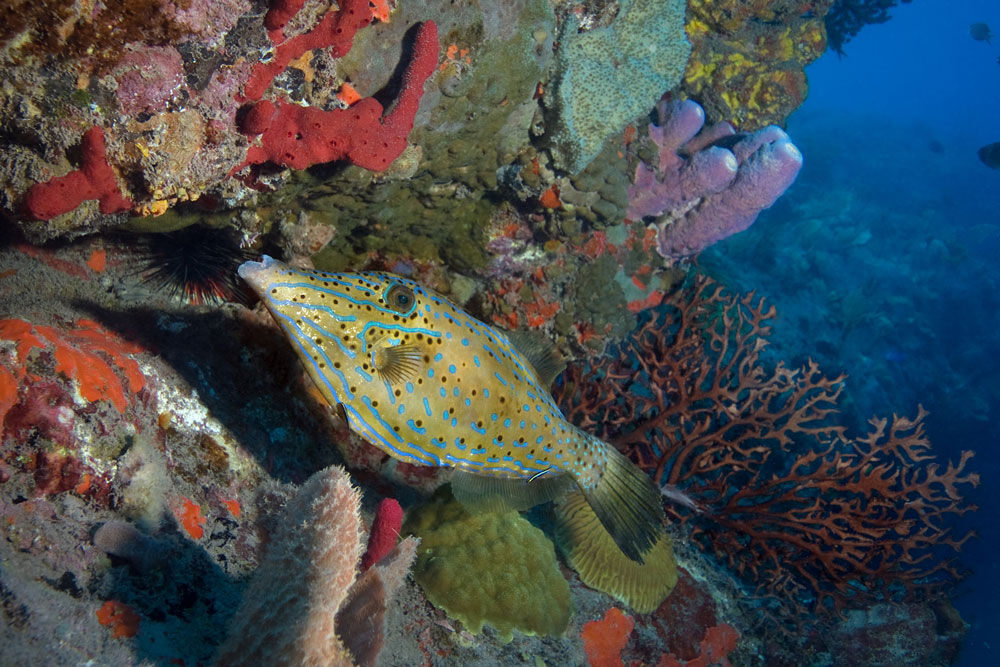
x=883, y=257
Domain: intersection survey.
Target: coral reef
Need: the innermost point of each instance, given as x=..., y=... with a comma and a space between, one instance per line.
x=707, y=184
x=756, y=460
x=747, y=58
x=99, y=430
x=95, y=37
x=488, y=568
x=439, y=212
x=169, y=114
x=606, y=76
x=583, y=292
x=149, y=442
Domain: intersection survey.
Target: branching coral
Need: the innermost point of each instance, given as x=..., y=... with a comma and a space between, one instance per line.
x=760, y=467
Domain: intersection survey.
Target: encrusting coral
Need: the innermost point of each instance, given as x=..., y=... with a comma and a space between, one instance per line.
x=748, y=58
x=305, y=605
x=604, y=639
x=488, y=567
x=607, y=76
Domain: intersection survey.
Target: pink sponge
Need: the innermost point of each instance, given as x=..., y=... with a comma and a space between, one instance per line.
x=95, y=179
x=385, y=531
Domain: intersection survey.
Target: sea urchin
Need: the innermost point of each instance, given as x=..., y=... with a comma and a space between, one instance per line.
x=197, y=263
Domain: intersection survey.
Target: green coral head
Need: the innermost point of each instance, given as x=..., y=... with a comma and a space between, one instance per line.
x=488, y=567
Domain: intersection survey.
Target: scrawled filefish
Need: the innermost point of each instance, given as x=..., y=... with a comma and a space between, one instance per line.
x=429, y=384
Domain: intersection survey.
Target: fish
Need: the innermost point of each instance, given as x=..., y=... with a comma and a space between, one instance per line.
x=990, y=155
x=428, y=383
x=980, y=32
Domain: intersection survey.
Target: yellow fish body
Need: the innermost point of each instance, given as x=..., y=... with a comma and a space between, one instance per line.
x=429, y=384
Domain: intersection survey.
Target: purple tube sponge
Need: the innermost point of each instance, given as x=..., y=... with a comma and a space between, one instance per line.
x=708, y=182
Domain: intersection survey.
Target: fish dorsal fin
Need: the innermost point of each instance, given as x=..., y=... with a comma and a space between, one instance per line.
x=481, y=492
x=540, y=353
x=396, y=364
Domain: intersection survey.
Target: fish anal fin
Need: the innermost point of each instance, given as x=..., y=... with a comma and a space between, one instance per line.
x=592, y=552
x=484, y=492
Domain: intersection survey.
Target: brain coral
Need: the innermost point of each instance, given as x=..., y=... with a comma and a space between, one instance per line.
x=488, y=567
x=605, y=77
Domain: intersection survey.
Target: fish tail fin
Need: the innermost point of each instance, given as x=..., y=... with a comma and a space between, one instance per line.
x=628, y=505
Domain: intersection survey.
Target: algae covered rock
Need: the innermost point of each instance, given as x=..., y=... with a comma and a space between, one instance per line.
x=488, y=567
x=476, y=116
x=747, y=59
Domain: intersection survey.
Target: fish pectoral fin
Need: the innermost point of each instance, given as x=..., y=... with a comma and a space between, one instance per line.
x=397, y=364
x=485, y=492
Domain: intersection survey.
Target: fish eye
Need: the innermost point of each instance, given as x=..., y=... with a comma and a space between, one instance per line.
x=400, y=298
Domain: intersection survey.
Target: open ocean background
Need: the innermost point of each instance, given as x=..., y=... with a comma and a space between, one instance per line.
x=884, y=257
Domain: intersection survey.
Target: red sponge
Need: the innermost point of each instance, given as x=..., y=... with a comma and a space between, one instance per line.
x=299, y=137
x=385, y=531
x=95, y=179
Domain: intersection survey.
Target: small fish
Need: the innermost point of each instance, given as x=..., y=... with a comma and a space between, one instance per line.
x=427, y=383
x=980, y=32
x=990, y=155
x=678, y=497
